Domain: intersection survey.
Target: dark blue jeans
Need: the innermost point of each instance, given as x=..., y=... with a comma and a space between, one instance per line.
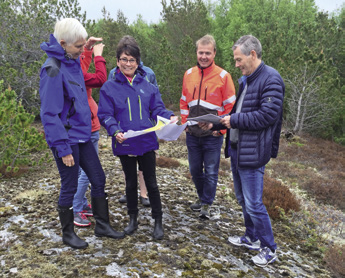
x=203, y=158
x=80, y=200
x=249, y=184
x=147, y=161
x=86, y=157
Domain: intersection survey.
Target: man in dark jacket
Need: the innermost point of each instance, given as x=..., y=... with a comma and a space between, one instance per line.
x=254, y=126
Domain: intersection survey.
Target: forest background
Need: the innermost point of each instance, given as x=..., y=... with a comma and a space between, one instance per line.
x=304, y=44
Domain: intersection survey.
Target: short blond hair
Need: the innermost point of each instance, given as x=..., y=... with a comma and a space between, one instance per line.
x=70, y=30
x=207, y=39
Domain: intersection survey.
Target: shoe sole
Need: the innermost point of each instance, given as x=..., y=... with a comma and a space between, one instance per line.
x=203, y=216
x=244, y=245
x=195, y=209
x=77, y=247
x=88, y=214
x=269, y=262
x=119, y=237
x=82, y=225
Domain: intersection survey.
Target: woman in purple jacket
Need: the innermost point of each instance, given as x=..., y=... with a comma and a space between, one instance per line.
x=65, y=116
x=129, y=102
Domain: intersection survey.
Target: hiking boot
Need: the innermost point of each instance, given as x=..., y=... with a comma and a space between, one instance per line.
x=144, y=201
x=81, y=220
x=244, y=241
x=87, y=211
x=123, y=199
x=205, y=212
x=196, y=206
x=265, y=257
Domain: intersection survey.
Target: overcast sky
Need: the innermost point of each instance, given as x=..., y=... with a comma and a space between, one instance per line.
x=150, y=9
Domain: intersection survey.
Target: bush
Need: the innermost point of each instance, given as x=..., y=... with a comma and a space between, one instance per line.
x=18, y=139
x=276, y=196
x=167, y=162
x=335, y=260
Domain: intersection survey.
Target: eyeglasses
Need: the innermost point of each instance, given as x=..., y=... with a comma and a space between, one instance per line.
x=125, y=61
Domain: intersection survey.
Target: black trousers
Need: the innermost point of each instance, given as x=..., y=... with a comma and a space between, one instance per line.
x=148, y=165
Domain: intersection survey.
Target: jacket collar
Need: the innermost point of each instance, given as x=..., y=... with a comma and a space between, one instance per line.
x=255, y=74
x=208, y=69
x=54, y=49
x=120, y=77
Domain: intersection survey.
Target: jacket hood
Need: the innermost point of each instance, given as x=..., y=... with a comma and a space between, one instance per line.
x=53, y=48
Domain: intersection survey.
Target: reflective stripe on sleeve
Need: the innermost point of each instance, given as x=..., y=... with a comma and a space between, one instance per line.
x=229, y=100
x=184, y=112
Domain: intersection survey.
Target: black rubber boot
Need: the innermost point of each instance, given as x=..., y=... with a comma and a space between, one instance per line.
x=158, y=231
x=101, y=215
x=69, y=237
x=133, y=224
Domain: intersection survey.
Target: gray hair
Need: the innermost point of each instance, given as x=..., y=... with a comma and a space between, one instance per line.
x=248, y=43
x=70, y=30
x=207, y=39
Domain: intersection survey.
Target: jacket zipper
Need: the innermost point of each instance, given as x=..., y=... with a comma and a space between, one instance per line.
x=205, y=93
x=194, y=92
x=202, y=77
x=139, y=99
x=129, y=109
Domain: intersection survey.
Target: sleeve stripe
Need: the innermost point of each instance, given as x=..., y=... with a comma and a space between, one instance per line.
x=229, y=100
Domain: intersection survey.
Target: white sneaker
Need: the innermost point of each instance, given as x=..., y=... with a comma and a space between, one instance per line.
x=244, y=241
x=265, y=257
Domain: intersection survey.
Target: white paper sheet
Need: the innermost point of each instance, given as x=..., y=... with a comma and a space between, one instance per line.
x=161, y=122
x=170, y=132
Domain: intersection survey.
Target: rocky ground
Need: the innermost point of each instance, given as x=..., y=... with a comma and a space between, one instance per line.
x=31, y=246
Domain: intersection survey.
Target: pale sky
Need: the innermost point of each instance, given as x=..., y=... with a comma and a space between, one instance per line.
x=150, y=9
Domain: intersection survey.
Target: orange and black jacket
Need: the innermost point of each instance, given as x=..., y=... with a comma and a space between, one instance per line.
x=206, y=91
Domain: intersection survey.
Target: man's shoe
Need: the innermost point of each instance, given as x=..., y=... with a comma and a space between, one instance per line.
x=87, y=211
x=205, y=212
x=81, y=220
x=244, y=241
x=196, y=206
x=123, y=199
x=265, y=257
x=144, y=201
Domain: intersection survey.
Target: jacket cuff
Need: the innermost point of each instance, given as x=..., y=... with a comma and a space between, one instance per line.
x=64, y=150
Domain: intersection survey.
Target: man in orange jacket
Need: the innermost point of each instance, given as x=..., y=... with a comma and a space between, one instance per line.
x=207, y=89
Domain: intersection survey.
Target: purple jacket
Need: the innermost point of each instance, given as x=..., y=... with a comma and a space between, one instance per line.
x=65, y=111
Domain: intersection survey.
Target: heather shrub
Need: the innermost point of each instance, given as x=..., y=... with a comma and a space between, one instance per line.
x=316, y=166
x=327, y=191
x=167, y=162
x=335, y=260
x=277, y=196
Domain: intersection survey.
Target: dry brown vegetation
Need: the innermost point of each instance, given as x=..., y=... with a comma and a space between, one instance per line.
x=315, y=165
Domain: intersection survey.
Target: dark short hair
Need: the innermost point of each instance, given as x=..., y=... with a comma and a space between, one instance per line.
x=130, y=47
